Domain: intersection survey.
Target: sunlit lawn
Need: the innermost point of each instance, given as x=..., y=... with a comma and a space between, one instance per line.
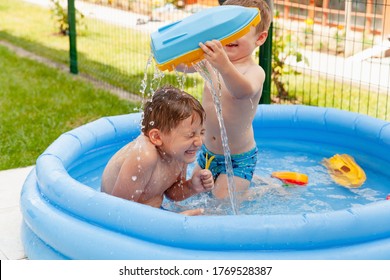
x=38, y=104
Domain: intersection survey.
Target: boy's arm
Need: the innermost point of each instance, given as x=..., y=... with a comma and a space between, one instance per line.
x=238, y=84
x=245, y=85
x=133, y=178
x=201, y=181
x=180, y=190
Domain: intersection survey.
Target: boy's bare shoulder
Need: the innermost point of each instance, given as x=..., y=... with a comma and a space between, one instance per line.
x=141, y=153
x=256, y=69
x=256, y=75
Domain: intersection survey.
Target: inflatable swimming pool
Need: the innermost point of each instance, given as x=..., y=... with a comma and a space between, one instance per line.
x=65, y=216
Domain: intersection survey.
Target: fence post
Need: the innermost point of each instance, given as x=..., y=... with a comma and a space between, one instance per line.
x=265, y=61
x=72, y=37
x=386, y=20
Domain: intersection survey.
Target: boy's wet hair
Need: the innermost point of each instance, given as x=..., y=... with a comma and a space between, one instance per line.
x=265, y=11
x=168, y=107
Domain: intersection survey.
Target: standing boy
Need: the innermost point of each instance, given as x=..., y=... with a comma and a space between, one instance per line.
x=241, y=87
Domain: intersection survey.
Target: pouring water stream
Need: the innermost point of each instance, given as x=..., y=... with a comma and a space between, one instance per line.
x=201, y=68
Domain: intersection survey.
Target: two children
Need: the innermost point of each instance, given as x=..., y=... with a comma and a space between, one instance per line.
x=174, y=124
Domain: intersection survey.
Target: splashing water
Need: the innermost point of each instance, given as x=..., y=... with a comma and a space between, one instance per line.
x=144, y=82
x=181, y=78
x=158, y=75
x=201, y=68
x=153, y=84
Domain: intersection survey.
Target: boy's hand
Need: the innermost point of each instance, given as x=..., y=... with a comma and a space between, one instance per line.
x=202, y=181
x=215, y=54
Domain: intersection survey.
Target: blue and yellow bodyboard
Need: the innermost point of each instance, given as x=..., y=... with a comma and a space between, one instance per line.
x=178, y=42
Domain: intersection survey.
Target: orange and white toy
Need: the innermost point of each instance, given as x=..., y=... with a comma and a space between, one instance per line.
x=291, y=178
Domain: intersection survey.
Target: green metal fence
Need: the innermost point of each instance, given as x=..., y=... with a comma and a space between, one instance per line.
x=323, y=54
x=344, y=46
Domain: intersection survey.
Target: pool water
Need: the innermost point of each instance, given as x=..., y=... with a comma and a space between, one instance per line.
x=269, y=195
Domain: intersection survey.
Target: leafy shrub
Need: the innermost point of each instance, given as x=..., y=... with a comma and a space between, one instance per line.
x=60, y=15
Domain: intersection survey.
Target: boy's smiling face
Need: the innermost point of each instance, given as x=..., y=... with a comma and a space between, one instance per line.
x=183, y=142
x=245, y=45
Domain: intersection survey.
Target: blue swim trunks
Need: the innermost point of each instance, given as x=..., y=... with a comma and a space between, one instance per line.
x=243, y=164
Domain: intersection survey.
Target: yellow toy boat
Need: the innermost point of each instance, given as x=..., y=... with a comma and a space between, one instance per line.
x=345, y=171
x=291, y=178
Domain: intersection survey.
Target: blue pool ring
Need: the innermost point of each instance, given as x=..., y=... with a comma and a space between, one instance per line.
x=66, y=219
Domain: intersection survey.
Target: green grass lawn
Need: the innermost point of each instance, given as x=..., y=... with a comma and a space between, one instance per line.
x=31, y=27
x=108, y=52
x=38, y=104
